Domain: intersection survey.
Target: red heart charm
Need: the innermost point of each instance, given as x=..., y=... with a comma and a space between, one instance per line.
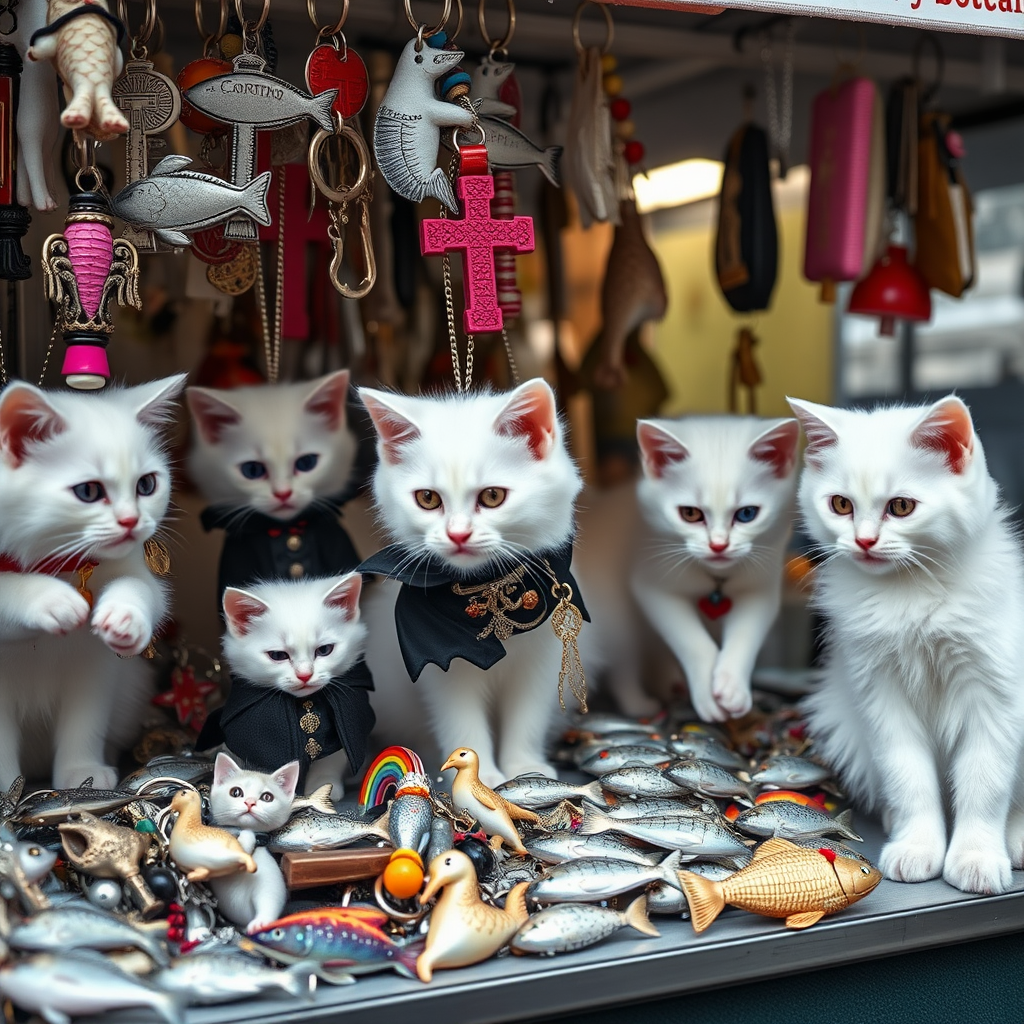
x=715, y=609
x=327, y=68
x=213, y=248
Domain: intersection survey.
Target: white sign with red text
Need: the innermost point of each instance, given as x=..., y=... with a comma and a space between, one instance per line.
x=984, y=17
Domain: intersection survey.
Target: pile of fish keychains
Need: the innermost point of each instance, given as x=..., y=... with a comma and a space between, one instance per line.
x=334, y=65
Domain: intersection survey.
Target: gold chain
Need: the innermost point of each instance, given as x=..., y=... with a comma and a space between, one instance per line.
x=272, y=342
x=46, y=358
x=566, y=622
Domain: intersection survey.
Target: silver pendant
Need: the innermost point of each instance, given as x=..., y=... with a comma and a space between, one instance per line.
x=408, y=125
x=250, y=100
x=152, y=103
x=172, y=201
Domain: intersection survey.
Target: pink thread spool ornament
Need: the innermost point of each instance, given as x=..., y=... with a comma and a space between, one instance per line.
x=85, y=269
x=478, y=236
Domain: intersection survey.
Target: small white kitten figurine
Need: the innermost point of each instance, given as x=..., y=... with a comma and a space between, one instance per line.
x=253, y=802
x=299, y=685
x=717, y=497
x=84, y=484
x=922, y=706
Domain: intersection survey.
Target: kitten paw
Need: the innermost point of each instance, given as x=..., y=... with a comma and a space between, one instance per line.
x=731, y=692
x=1015, y=839
x=61, y=611
x=125, y=630
x=705, y=705
x=72, y=776
x=912, y=860
x=982, y=871
x=514, y=768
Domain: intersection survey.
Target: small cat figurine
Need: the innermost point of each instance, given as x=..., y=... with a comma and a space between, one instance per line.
x=922, y=584
x=477, y=491
x=254, y=802
x=84, y=484
x=716, y=497
x=300, y=688
x=274, y=460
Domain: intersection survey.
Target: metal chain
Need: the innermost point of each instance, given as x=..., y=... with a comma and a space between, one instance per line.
x=272, y=342
x=511, y=360
x=780, y=116
x=46, y=358
x=449, y=306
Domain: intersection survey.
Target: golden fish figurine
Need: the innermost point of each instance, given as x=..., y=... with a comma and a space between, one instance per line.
x=463, y=929
x=782, y=880
x=105, y=850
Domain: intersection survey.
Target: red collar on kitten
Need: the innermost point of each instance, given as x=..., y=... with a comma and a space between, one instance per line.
x=54, y=567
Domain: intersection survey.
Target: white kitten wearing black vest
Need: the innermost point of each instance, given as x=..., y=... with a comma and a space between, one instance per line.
x=477, y=492
x=84, y=483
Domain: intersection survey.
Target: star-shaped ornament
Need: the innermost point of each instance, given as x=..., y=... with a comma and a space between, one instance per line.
x=187, y=696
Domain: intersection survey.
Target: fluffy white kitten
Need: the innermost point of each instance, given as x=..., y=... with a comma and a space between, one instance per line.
x=716, y=498
x=296, y=636
x=922, y=705
x=272, y=448
x=458, y=446
x=82, y=476
x=253, y=802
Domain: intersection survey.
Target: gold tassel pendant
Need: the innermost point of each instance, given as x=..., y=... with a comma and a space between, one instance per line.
x=567, y=621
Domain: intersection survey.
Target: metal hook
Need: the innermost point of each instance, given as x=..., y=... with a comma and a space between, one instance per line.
x=496, y=45
x=253, y=27
x=609, y=26
x=323, y=31
x=212, y=40
x=145, y=33
x=421, y=29
x=336, y=233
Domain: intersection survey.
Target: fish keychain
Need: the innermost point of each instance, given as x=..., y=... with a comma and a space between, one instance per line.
x=251, y=100
x=335, y=64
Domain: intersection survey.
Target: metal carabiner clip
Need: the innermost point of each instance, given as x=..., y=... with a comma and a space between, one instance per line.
x=340, y=196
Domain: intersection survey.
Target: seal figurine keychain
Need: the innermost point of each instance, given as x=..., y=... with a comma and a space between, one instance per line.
x=407, y=129
x=250, y=100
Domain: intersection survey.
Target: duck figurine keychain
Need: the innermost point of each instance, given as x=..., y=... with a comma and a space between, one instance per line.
x=496, y=815
x=463, y=929
x=200, y=851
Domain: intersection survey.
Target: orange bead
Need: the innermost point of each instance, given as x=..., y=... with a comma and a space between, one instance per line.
x=608, y=63
x=403, y=877
x=612, y=84
x=799, y=568
x=192, y=74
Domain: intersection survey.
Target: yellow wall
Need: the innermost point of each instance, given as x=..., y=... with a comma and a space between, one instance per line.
x=694, y=343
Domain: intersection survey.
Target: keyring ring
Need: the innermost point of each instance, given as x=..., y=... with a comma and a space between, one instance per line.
x=398, y=915
x=458, y=131
x=254, y=27
x=145, y=33
x=324, y=32
x=210, y=41
x=609, y=26
x=339, y=194
x=421, y=29
x=481, y=20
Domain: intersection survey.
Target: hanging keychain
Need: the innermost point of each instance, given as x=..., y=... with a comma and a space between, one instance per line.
x=151, y=103
x=14, y=218
x=335, y=64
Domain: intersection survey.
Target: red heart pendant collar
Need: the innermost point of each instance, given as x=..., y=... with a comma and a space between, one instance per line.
x=715, y=604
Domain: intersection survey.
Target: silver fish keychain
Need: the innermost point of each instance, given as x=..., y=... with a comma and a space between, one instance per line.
x=250, y=100
x=407, y=129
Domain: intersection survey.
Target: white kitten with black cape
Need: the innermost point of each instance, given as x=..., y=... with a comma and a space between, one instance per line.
x=84, y=483
x=477, y=491
x=922, y=585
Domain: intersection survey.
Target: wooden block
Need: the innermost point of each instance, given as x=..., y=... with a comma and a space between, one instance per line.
x=325, y=867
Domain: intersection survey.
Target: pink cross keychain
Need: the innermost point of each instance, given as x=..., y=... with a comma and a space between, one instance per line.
x=478, y=234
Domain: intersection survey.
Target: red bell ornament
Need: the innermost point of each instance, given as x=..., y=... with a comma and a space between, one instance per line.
x=892, y=290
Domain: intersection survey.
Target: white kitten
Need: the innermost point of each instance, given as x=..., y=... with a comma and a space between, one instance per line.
x=82, y=477
x=474, y=483
x=716, y=498
x=274, y=448
x=922, y=703
x=304, y=640
x=253, y=802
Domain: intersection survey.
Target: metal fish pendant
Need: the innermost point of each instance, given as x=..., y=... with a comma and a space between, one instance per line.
x=168, y=766
x=708, y=780
x=786, y=772
x=696, y=747
x=610, y=759
x=173, y=201
x=642, y=782
x=311, y=829
x=791, y=820
x=407, y=128
x=570, y=926
x=509, y=149
x=564, y=846
x=695, y=836
x=52, y=806
x=537, y=791
x=592, y=879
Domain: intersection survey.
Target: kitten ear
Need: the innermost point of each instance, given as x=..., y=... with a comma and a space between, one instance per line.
x=25, y=418
x=393, y=428
x=947, y=428
x=210, y=413
x=287, y=777
x=777, y=447
x=530, y=412
x=328, y=397
x=159, y=400
x=241, y=609
x=344, y=595
x=820, y=435
x=223, y=768
x=659, y=448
